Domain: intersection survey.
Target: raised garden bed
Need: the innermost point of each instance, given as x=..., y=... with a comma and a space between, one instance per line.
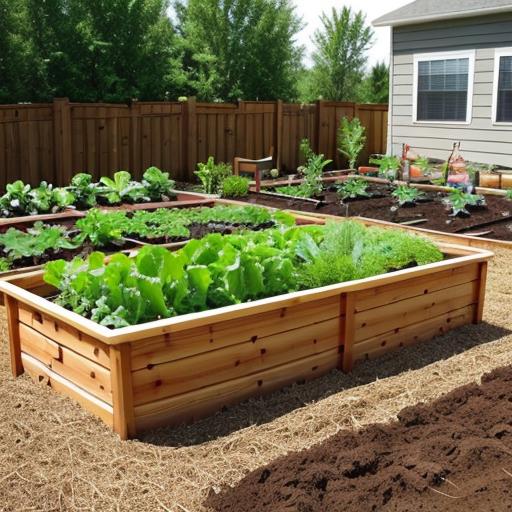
x=178, y=369
x=492, y=221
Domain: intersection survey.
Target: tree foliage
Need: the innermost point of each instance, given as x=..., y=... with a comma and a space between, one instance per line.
x=88, y=50
x=240, y=49
x=340, y=54
x=375, y=86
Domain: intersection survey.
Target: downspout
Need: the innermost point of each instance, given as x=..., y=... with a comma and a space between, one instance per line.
x=389, y=150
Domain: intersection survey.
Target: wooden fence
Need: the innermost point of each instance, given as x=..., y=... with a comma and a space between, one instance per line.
x=53, y=141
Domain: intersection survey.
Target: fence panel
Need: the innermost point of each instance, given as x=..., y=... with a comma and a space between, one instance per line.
x=53, y=141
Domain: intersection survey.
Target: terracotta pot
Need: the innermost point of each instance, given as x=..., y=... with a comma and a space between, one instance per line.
x=415, y=171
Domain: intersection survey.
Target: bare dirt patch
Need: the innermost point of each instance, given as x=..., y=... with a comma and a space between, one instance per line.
x=55, y=456
x=458, y=448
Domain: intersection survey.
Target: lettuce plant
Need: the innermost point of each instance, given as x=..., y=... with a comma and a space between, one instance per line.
x=158, y=184
x=122, y=189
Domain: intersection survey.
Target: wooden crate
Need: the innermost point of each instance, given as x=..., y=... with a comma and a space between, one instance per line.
x=179, y=369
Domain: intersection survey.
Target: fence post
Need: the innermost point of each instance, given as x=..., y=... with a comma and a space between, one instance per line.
x=62, y=141
x=279, y=133
x=135, y=144
x=190, y=136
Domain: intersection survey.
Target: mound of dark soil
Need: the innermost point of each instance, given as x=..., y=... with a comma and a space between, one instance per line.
x=453, y=455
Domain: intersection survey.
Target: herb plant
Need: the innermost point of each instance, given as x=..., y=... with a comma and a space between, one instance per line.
x=235, y=186
x=353, y=188
x=459, y=202
x=407, y=196
x=211, y=175
x=351, y=139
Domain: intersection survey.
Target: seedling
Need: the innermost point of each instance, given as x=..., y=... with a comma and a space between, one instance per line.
x=460, y=201
x=388, y=166
x=353, y=188
x=407, y=196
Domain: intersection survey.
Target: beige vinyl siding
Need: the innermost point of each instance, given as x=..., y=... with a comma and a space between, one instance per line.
x=481, y=140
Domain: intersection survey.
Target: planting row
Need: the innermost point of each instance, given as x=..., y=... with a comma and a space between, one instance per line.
x=115, y=230
x=222, y=270
x=453, y=211
x=82, y=193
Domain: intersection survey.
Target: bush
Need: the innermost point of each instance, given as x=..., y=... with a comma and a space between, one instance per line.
x=235, y=186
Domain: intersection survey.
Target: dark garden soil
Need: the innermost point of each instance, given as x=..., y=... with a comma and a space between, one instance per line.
x=453, y=455
x=495, y=219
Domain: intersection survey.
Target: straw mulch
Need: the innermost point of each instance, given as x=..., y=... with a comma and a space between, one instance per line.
x=55, y=456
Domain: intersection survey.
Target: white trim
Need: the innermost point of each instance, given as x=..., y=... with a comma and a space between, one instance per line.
x=421, y=57
x=498, y=53
x=412, y=20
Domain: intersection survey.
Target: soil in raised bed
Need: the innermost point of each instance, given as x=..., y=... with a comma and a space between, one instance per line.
x=495, y=218
x=455, y=454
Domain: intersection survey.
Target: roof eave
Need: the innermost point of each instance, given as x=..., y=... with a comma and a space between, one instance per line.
x=438, y=17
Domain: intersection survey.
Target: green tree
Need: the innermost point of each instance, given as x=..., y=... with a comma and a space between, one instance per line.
x=340, y=56
x=105, y=50
x=18, y=68
x=240, y=49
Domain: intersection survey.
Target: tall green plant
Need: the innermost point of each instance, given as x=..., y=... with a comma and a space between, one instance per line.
x=351, y=139
x=211, y=175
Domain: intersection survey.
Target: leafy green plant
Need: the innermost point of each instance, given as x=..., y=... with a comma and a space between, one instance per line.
x=351, y=139
x=235, y=186
x=101, y=229
x=84, y=190
x=36, y=241
x=352, y=189
x=21, y=199
x=459, y=202
x=211, y=175
x=223, y=270
x=158, y=184
x=213, y=272
x=423, y=164
x=388, y=166
x=5, y=264
x=508, y=194
x=122, y=189
x=407, y=195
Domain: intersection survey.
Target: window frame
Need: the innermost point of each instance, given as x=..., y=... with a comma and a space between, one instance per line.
x=498, y=53
x=422, y=57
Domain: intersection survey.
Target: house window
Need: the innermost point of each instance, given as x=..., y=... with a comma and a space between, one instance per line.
x=502, y=97
x=443, y=87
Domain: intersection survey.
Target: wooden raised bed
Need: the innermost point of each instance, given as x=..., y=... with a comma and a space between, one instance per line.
x=180, y=369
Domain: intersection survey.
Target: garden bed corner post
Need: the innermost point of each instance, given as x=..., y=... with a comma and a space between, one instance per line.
x=11, y=307
x=122, y=390
x=479, y=310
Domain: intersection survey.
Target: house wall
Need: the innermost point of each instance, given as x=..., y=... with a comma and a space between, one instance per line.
x=481, y=141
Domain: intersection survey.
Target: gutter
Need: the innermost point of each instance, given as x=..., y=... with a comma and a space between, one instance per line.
x=445, y=16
